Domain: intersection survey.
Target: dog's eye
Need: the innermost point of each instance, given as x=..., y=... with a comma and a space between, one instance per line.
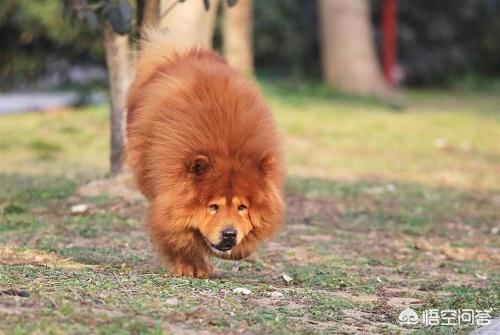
x=213, y=209
x=242, y=208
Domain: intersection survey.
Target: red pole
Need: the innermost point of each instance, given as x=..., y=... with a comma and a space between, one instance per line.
x=389, y=26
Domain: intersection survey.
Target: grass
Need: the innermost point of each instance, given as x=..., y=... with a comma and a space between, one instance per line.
x=434, y=138
x=389, y=206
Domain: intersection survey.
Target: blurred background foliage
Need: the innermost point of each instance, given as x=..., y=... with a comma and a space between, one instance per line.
x=439, y=42
x=38, y=39
x=443, y=40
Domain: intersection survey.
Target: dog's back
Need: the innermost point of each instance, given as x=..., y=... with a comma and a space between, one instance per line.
x=188, y=100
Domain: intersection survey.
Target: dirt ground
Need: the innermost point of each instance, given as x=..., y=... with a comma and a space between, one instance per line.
x=389, y=207
x=352, y=256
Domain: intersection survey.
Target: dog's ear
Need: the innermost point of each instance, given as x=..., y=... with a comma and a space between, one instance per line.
x=199, y=165
x=268, y=164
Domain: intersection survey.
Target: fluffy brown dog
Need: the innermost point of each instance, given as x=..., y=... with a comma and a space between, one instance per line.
x=203, y=147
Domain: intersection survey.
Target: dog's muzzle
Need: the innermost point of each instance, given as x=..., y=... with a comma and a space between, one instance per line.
x=228, y=241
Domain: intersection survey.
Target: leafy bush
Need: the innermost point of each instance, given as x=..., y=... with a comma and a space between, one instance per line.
x=36, y=38
x=286, y=37
x=438, y=41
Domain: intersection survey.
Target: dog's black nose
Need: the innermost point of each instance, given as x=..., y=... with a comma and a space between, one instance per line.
x=228, y=239
x=229, y=234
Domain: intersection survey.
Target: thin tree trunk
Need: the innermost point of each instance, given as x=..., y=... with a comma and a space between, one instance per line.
x=148, y=14
x=190, y=21
x=347, y=48
x=118, y=62
x=238, y=46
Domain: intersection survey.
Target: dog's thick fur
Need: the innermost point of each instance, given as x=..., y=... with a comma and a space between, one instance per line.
x=204, y=151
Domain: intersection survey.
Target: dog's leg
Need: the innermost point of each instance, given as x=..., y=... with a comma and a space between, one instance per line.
x=192, y=269
x=179, y=247
x=188, y=260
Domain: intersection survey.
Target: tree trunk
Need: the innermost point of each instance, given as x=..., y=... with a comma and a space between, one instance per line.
x=148, y=14
x=347, y=48
x=238, y=46
x=190, y=21
x=118, y=63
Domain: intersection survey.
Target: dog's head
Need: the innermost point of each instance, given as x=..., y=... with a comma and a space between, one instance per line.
x=233, y=198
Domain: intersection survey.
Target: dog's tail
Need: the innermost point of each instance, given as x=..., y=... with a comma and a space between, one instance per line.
x=161, y=46
x=158, y=48
x=157, y=43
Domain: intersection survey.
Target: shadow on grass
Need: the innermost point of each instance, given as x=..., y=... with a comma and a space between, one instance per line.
x=35, y=214
x=410, y=208
x=300, y=92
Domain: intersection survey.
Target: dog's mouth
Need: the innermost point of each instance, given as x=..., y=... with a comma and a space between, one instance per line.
x=219, y=249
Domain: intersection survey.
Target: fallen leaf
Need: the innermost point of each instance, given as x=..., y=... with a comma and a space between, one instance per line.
x=172, y=301
x=452, y=253
x=390, y=188
x=242, y=290
x=423, y=245
x=481, y=276
x=79, y=209
x=286, y=278
x=276, y=294
x=476, y=253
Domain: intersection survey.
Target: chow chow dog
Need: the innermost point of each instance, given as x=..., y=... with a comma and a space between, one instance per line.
x=204, y=150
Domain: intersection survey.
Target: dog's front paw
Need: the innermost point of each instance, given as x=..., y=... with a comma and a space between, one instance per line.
x=203, y=270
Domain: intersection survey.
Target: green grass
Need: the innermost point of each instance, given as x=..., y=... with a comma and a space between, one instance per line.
x=441, y=139
x=436, y=138
x=367, y=181
x=69, y=142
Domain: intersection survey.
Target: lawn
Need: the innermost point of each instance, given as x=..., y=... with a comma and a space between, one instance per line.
x=389, y=206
